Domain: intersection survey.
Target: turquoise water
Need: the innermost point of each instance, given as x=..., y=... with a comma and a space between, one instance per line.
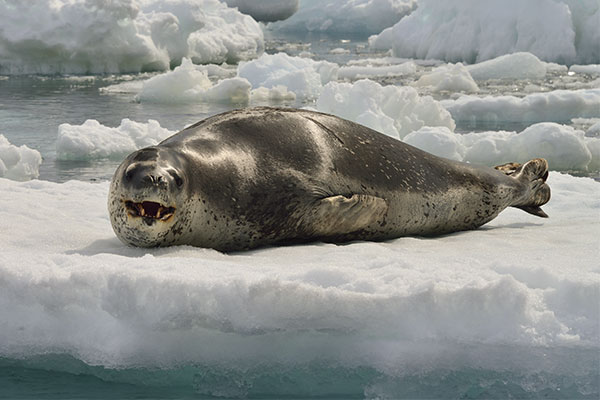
x=64, y=377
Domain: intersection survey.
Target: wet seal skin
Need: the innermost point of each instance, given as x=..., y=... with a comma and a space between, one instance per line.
x=260, y=176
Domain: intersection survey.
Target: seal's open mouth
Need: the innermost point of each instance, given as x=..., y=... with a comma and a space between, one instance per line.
x=149, y=209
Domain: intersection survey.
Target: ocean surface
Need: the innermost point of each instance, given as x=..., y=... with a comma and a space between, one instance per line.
x=31, y=110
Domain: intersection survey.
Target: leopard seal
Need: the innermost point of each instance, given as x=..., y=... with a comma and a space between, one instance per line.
x=261, y=176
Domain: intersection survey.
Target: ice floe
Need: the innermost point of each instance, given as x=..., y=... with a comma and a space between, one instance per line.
x=302, y=76
x=448, y=77
x=565, y=148
x=592, y=69
x=356, y=71
x=92, y=140
x=555, y=106
x=18, y=163
x=188, y=84
x=393, y=110
x=520, y=65
x=506, y=296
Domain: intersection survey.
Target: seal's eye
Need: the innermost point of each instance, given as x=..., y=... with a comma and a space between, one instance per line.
x=177, y=178
x=129, y=174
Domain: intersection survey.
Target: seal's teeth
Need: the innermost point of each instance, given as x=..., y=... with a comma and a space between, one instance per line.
x=142, y=211
x=158, y=212
x=166, y=216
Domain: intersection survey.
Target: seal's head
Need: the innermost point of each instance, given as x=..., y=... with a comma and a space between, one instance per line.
x=148, y=196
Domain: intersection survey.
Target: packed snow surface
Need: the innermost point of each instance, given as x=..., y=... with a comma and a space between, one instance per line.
x=519, y=294
x=266, y=10
x=357, y=16
x=564, y=31
x=79, y=36
x=18, y=163
x=393, y=110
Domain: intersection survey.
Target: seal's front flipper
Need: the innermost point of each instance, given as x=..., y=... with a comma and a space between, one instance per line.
x=337, y=215
x=533, y=175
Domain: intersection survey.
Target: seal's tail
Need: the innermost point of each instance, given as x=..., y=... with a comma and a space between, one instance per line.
x=533, y=175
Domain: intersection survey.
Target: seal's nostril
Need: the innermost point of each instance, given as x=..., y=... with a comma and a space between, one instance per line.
x=152, y=179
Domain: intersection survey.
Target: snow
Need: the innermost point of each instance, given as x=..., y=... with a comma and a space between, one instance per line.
x=520, y=65
x=302, y=76
x=92, y=140
x=474, y=31
x=358, y=16
x=449, y=77
x=393, y=110
x=266, y=10
x=555, y=106
x=78, y=36
x=565, y=148
x=476, y=299
x=18, y=163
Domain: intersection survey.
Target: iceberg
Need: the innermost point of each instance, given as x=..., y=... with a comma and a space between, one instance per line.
x=562, y=31
x=83, y=36
x=266, y=10
x=339, y=16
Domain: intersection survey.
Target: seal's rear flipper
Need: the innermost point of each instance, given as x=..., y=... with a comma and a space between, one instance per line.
x=337, y=215
x=533, y=175
x=534, y=210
